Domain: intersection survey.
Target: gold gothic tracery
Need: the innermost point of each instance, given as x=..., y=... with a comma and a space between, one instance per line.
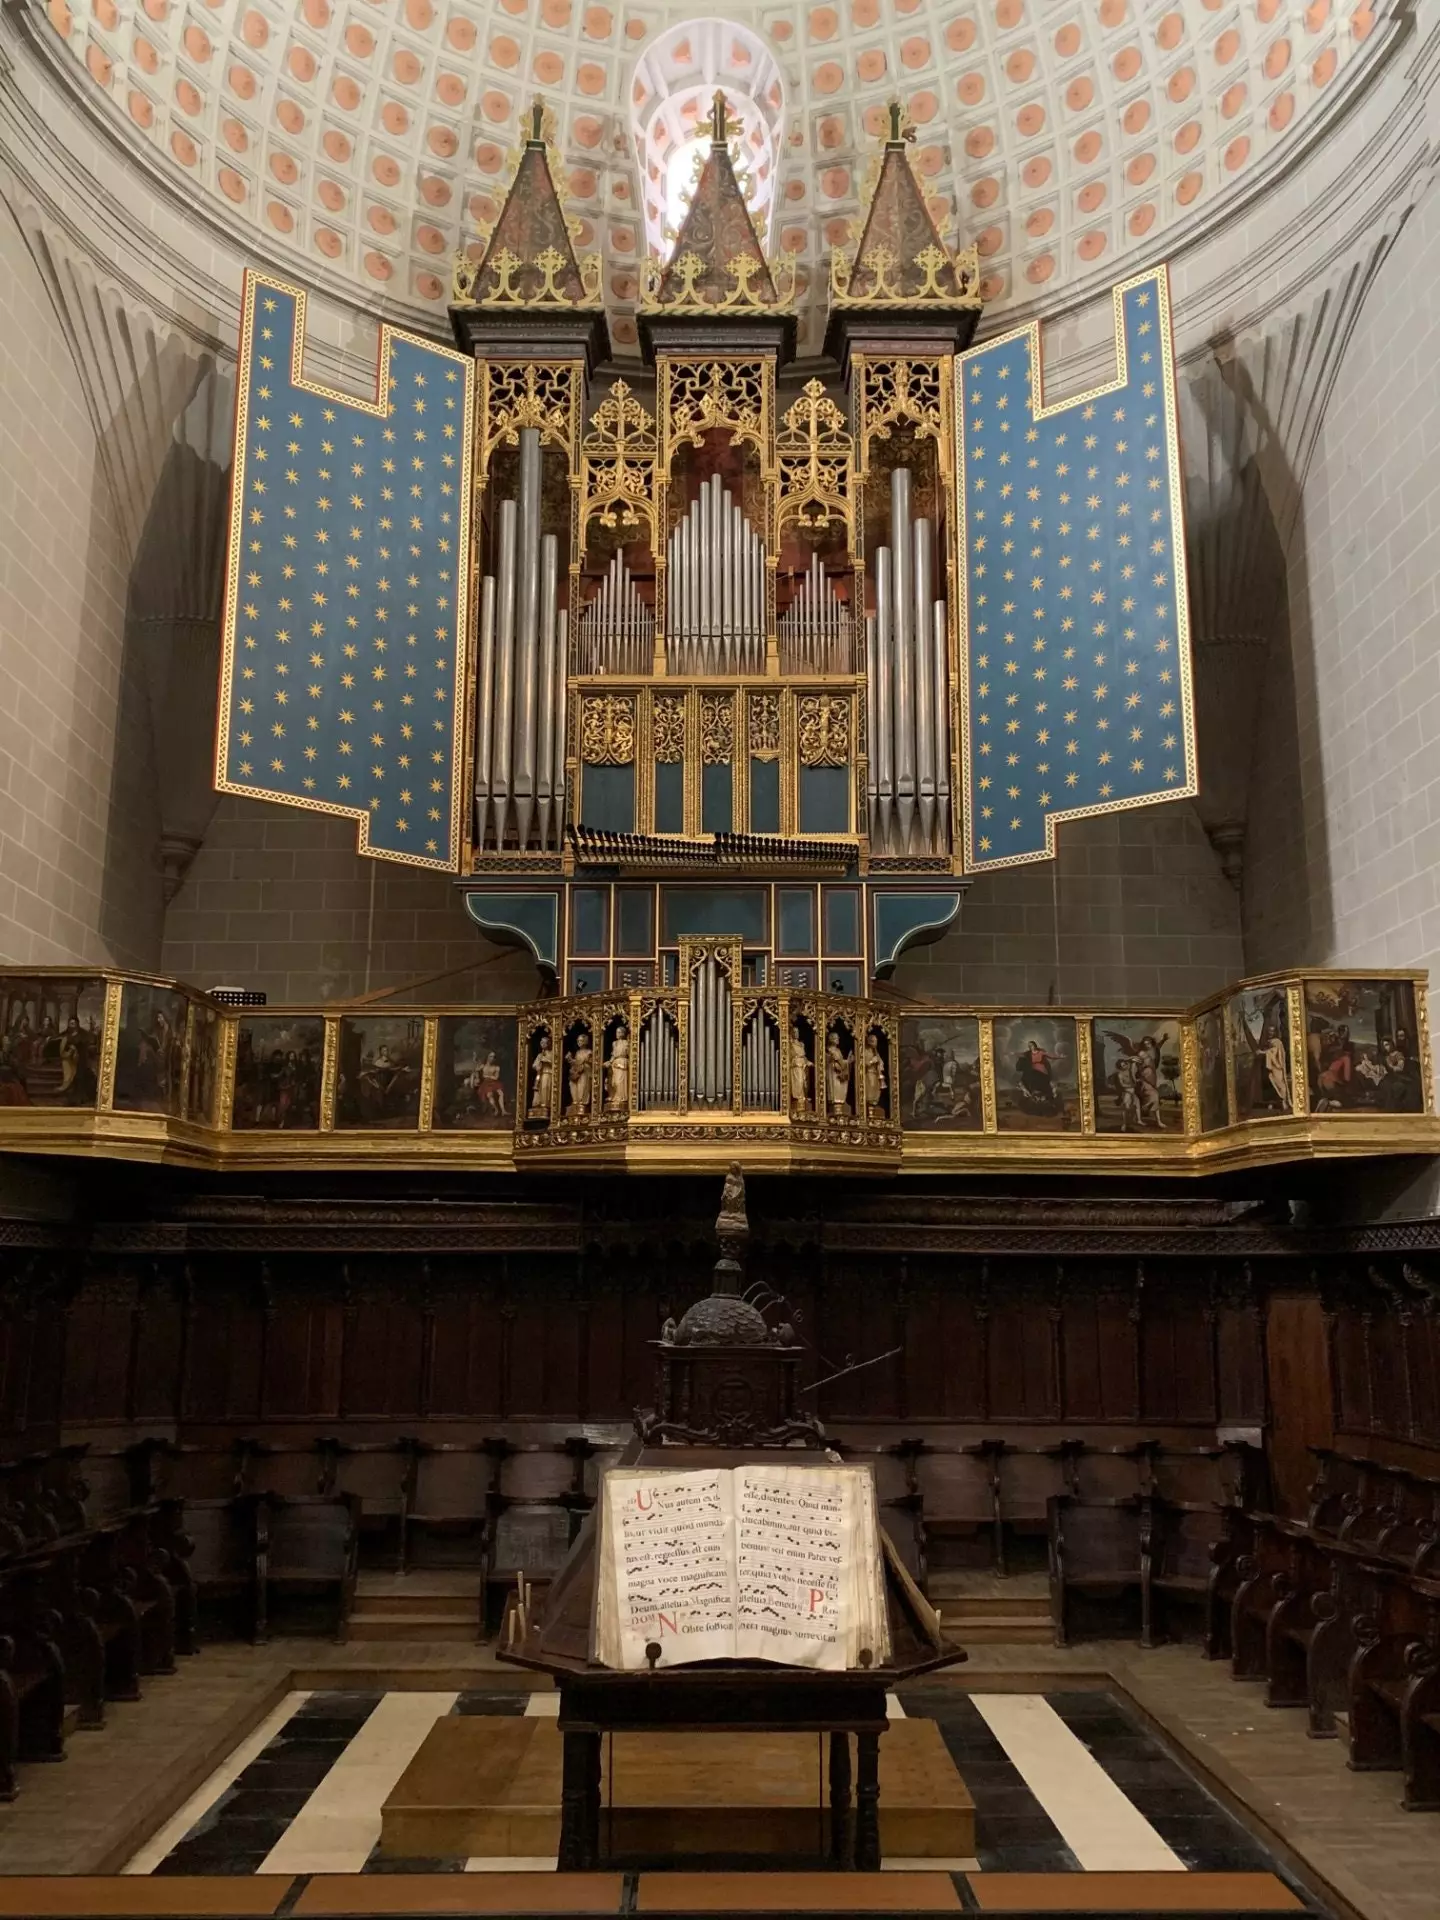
x=815, y=458
x=619, y=452
x=547, y=394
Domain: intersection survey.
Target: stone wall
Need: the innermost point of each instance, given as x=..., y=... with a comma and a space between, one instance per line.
x=279, y=899
x=1134, y=909
x=79, y=877
x=1343, y=850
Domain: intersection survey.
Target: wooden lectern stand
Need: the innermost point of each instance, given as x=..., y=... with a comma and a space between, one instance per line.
x=724, y=1378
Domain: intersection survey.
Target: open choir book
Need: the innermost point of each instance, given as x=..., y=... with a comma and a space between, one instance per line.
x=777, y=1563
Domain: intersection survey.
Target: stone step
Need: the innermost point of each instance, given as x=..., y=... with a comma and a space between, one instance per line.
x=413, y=1628
x=988, y=1606
x=997, y=1631
x=434, y=1606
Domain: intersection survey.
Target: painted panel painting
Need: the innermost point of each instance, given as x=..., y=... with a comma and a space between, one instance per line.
x=50, y=1033
x=1210, y=1060
x=204, y=1071
x=1258, y=1028
x=381, y=1056
x=278, y=1066
x=1362, y=1047
x=150, y=1050
x=1037, y=1088
x=475, y=1073
x=1137, y=1075
x=940, y=1074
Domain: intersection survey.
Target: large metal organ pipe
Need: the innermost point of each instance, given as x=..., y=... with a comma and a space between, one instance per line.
x=710, y=1074
x=520, y=732
x=814, y=630
x=715, y=610
x=907, y=672
x=616, y=631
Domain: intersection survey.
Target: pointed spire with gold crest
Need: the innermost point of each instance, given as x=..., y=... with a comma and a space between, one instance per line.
x=718, y=264
x=529, y=260
x=901, y=260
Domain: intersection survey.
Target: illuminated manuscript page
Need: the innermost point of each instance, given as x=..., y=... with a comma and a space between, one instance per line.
x=667, y=1547
x=796, y=1590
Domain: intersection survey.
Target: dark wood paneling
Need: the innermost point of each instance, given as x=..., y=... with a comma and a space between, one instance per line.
x=1301, y=1414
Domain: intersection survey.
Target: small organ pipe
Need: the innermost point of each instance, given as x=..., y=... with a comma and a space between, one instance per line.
x=940, y=677
x=562, y=695
x=903, y=657
x=505, y=665
x=884, y=697
x=924, y=680
x=545, y=745
x=485, y=717
x=872, y=725
x=527, y=617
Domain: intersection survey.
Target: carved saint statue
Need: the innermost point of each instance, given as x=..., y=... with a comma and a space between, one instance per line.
x=874, y=1068
x=542, y=1079
x=799, y=1071
x=580, y=1064
x=617, y=1071
x=837, y=1074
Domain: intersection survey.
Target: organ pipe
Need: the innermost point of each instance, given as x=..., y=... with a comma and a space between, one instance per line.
x=814, y=630
x=715, y=619
x=907, y=695
x=711, y=1074
x=520, y=744
x=617, y=630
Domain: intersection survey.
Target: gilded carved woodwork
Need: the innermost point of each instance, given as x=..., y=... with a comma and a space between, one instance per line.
x=823, y=729
x=607, y=730
x=815, y=458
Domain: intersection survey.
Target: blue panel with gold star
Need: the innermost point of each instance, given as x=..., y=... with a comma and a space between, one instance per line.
x=345, y=621
x=1075, y=680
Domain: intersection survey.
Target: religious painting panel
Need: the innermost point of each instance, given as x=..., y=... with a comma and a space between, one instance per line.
x=1258, y=1030
x=50, y=1033
x=1210, y=1069
x=203, y=1073
x=940, y=1074
x=1362, y=1047
x=378, y=1081
x=475, y=1073
x=150, y=1049
x=279, y=1060
x=1137, y=1075
x=1037, y=1082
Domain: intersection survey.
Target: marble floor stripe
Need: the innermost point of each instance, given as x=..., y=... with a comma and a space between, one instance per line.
x=336, y=1829
x=1186, y=1817
x=204, y=1797
x=1012, y=1829
x=1103, y=1829
x=252, y=1814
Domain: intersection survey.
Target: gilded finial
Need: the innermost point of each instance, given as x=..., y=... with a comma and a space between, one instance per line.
x=898, y=129
x=536, y=135
x=719, y=125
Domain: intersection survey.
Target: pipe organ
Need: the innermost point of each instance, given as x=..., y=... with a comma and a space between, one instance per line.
x=713, y=737
x=814, y=630
x=522, y=677
x=716, y=585
x=907, y=683
x=616, y=632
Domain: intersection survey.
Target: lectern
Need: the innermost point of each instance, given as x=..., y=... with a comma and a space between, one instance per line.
x=728, y=1397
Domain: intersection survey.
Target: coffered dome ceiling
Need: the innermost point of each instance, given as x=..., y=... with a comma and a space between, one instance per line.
x=367, y=138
